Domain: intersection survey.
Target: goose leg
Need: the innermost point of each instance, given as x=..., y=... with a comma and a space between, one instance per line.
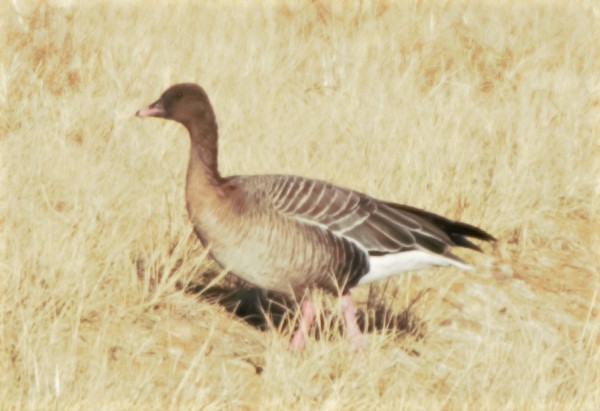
x=307, y=316
x=354, y=333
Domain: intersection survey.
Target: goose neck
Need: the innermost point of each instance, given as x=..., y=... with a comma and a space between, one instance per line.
x=203, y=165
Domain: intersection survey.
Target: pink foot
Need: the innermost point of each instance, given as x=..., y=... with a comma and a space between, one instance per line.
x=307, y=315
x=356, y=337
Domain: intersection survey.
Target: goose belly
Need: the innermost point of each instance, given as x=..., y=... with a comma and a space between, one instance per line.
x=275, y=255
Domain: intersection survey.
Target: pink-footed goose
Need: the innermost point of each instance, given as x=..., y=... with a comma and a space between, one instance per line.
x=289, y=234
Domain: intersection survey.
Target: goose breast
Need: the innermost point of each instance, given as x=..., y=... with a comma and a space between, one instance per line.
x=267, y=248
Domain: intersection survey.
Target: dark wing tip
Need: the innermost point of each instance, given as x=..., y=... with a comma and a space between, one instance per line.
x=459, y=233
x=461, y=241
x=456, y=230
x=468, y=230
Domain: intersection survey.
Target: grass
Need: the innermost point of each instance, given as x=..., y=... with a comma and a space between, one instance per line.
x=485, y=112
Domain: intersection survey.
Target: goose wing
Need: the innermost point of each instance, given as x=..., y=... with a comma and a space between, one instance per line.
x=378, y=227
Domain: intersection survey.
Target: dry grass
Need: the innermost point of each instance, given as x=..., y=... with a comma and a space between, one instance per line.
x=488, y=112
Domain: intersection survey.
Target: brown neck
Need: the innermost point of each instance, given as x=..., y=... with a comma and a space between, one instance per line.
x=203, y=165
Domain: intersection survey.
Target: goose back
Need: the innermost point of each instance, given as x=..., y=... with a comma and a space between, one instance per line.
x=378, y=227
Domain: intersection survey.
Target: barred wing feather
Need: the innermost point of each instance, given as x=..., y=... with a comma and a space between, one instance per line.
x=377, y=227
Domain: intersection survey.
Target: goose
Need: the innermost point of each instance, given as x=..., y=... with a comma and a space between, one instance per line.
x=291, y=234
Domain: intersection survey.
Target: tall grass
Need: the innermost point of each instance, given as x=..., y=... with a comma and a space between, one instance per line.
x=486, y=112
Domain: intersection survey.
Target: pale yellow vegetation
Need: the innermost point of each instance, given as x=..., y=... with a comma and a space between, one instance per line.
x=488, y=112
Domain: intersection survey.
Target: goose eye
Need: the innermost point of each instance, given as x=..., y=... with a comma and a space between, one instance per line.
x=179, y=94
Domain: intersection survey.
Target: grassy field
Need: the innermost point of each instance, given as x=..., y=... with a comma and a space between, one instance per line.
x=487, y=112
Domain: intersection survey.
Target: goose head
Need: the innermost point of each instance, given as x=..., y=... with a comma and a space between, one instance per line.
x=186, y=103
